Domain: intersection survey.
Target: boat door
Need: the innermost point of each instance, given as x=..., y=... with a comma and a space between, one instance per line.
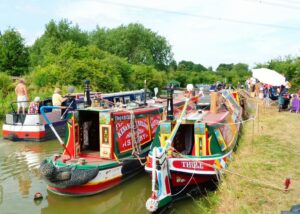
x=105, y=135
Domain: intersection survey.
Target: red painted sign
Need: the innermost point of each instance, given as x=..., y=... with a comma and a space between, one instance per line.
x=123, y=129
x=193, y=165
x=154, y=121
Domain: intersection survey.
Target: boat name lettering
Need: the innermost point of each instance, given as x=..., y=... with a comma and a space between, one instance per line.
x=155, y=122
x=122, y=128
x=142, y=123
x=191, y=165
x=122, y=117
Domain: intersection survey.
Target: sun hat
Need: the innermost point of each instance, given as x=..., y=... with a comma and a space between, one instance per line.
x=36, y=99
x=57, y=90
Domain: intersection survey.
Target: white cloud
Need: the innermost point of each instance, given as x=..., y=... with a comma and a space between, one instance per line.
x=204, y=31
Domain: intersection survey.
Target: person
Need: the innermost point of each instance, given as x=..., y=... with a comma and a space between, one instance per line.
x=287, y=84
x=201, y=93
x=21, y=92
x=57, y=99
x=34, y=106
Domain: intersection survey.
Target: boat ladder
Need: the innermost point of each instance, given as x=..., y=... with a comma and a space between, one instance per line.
x=135, y=139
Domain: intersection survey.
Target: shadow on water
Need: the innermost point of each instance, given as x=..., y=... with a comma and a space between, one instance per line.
x=20, y=180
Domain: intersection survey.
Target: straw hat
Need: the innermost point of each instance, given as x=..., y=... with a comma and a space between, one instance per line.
x=57, y=90
x=36, y=99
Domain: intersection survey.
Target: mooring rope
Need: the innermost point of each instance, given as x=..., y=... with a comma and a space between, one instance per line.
x=253, y=180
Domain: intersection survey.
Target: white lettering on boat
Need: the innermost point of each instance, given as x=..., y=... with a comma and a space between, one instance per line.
x=191, y=165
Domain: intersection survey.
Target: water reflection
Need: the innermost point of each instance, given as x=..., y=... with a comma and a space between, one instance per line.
x=129, y=197
x=19, y=173
x=1, y=194
x=20, y=180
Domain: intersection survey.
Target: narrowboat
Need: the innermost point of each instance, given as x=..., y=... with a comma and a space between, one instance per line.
x=34, y=128
x=193, y=149
x=105, y=146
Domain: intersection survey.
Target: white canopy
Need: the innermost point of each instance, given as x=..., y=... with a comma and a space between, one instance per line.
x=268, y=76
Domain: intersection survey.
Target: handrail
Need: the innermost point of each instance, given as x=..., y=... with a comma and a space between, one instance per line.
x=51, y=125
x=16, y=102
x=49, y=122
x=176, y=127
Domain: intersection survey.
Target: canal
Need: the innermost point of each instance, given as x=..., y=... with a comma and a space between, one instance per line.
x=20, y=180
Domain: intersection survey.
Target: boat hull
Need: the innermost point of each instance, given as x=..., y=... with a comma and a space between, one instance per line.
x=32, y=133
x=105, y=179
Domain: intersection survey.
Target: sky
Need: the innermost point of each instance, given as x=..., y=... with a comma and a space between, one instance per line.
x=208, y=32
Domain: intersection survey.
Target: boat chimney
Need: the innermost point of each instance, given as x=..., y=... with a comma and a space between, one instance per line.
x=145, y=92
x=214, y=102
x=87, y=97
x=170, y=113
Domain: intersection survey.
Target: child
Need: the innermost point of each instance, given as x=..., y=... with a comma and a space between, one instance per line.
x=34, y=106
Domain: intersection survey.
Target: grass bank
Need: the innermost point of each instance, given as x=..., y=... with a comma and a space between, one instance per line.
x=268, y=153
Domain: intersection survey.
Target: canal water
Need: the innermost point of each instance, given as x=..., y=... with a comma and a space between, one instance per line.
x=20, y=180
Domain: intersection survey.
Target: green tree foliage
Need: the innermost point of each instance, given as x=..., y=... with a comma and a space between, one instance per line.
x=14, y=56
x=289, y=67
x=54, y=36
x=154, y=78
x=190, y=66
x=135, y=42
x=72, y=64
x=6, y=92
x=223, y=68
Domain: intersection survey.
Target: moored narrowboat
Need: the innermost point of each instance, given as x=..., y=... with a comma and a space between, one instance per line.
x=193, y=149
x=105, y=146
x=33, y=127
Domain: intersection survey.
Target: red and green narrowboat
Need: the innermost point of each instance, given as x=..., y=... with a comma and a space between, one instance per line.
x=104, y=147
x=193, y=149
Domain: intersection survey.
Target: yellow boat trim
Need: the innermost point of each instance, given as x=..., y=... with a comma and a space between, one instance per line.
x=95, y=183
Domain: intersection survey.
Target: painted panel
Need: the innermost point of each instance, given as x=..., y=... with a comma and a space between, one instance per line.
x=220, y=139
x=154, y=121
x=123, y=130
x=165, y=128
x=199, y=128
x=104, y=118
x=227, y=133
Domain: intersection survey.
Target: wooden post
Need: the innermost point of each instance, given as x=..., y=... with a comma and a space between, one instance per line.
x=213, y=102
x=258, y=118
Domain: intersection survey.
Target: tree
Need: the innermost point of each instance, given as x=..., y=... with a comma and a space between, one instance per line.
x=222, y=68
x=190, y=66
x=14, y=56
x=54, y=36
x=135, y=42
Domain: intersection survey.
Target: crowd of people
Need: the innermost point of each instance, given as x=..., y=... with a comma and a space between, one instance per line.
x=270, y=93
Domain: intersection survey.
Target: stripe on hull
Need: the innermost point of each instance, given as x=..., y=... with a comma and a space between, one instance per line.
x=32, y=133
x=87, y=189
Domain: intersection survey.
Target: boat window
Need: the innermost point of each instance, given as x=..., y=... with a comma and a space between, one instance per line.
x=138, y=98
x=127, y=99
x=118, y=100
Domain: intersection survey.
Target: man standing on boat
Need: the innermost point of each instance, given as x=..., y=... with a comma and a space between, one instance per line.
x=21, y=92
x=57, y=99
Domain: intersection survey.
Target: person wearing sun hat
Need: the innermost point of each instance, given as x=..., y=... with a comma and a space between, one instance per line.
x=57, y=99
x=34, y=106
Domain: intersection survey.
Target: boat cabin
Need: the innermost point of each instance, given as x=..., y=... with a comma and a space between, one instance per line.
x=111, y=134
x=205, y=132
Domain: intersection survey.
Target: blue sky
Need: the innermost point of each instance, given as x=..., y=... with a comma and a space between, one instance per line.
x=208, y=32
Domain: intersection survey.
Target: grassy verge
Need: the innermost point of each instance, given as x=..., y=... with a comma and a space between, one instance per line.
x=268, y=152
